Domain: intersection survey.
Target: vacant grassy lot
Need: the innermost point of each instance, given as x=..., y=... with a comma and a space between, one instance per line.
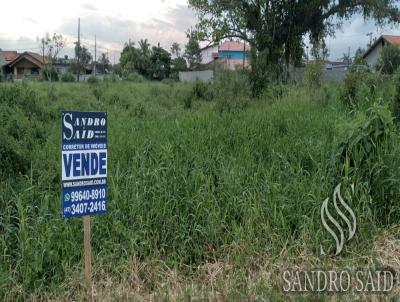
x=211, y=192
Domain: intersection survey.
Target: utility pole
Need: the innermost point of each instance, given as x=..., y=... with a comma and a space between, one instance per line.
x=78, y=50
x=244, y=52
x=95, y=55
x=43, y=49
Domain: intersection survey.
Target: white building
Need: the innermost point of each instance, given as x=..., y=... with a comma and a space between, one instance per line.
x=209, y=53
x=374, y=52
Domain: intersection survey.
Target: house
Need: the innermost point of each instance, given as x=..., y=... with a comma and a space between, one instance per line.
x=20, y=65
x=229, y=54
x=334, y=65
x=209, y=53
x=373, y=53
x=63, y=65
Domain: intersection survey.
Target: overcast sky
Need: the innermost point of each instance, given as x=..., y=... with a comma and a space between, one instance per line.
x=115, y=22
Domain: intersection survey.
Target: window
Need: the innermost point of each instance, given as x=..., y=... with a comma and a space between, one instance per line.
x=34, y=70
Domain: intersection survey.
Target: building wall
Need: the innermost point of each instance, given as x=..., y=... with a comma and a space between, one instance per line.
x=2, y=62
x=374, y=55
x=206, y=54
x=192, y=76
x=25, y=68
x=235, y=55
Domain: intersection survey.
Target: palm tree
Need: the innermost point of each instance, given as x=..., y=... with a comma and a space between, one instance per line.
x=144, y=46
x=176, y=49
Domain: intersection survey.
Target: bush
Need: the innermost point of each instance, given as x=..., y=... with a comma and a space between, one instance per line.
x=368, y=155
x=92, y=80
x=314, y=74
x=232, y=91
x=396, y=99
x=132, y=77
x=350, y=87
x=389, y=61
x=67, y=77
x=202, y=90
x=168, y=81
x=49, y=73
x=112, y=78
x=21, y=128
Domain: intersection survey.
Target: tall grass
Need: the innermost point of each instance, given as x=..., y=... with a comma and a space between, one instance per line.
x=185, y=186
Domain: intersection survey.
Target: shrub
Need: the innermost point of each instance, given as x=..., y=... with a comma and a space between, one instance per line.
x=351, y=85
x=274, y=92
x=168, y=81
x=112, y=78
x=92, y=80
x=232, y=91
x=202, y=90
x=314, y=74
x=396, y=99
x=186, y=98
x=67, y=77
x=132, y=77
x=21, y=128
x=368, y=153
x=389, y=60
x=49, y=73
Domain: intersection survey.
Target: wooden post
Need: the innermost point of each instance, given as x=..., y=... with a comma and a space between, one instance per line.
x=88, y=255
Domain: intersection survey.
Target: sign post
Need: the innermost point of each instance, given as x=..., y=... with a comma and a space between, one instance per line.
x=84, y=172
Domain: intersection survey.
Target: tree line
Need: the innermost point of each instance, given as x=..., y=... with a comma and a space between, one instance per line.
x=156, y=63
x=275, y=29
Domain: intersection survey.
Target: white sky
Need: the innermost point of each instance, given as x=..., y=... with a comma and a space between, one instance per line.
x=115, y=22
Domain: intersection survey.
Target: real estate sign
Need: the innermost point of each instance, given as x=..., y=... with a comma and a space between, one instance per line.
x=84, y=163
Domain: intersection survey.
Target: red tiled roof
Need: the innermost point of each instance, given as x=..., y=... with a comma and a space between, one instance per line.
x=37, y=56
x=395, y=40
x=233, y=46
x=9, y=55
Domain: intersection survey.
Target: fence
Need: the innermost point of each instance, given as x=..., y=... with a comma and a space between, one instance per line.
x=192, y=76
x=334, y=75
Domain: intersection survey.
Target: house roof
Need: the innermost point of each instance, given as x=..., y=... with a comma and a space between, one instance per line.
x=12, y=57
x=209, y=46
x=9, y=55
x=337, y=63
x=233, y=46
x=390, y=39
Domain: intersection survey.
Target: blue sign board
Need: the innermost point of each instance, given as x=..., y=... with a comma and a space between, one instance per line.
x=84, y=163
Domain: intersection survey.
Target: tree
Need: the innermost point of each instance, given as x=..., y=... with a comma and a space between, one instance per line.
x=129, y=57
x=160, y=63
x=389, y=61
x=85, y=57
x=319, y=51
x=358, y=56
x=346, y=58
x=275, y=28
x=176, y=50
x=192, y=50
x=103, y=65
x=136, y=59
x=51, y=46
